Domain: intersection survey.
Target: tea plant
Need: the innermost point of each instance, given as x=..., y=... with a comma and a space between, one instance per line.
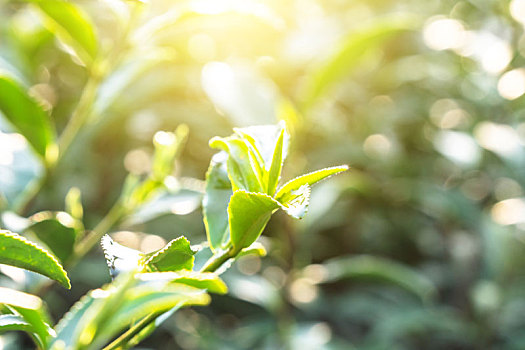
x=241, y=195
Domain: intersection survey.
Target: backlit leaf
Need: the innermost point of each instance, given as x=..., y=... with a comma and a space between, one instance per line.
x=17, y=251
x=26, y=115
x=72, y=26
x=215, y=201
x=248, y=215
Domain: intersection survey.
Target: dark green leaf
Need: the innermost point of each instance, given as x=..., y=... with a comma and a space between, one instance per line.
x=27, y=117
x=72, y=26
x=56, y=230
x=17, y=251
x=215, y=201
x=248, y=215
x=380, y=269
x=176, y=255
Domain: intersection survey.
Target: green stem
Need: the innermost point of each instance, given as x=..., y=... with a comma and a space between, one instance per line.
x=114, y=215
x=81, y=113
x=214, y=263
x=78, y=118
x=217, y=261
x=133, y=331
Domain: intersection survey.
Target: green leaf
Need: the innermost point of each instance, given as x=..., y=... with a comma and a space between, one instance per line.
x=296, y=204
x=244, y=170
x=71, y=26
x=124, y=77
x=178, y=202
x=27, y=116
x=167, y=146
x=264, y=139
x=255, y=248
x=14, y=323
x=144, y=299
x=56, y=230
x=371, y=267
x=73, y=204
x=215, y=201
x=349, y=54
x=17, y=323
x=202, y=280
x=71, y=325
x=103, y=313
x=285, y=193
x=176, y=255
x=248, y=214
x=31, y=311
x=272, y=177
x=17, y=251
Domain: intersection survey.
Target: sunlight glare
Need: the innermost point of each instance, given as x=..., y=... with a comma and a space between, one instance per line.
x=458, y=147
x=517, y=10
x=509, y=211
x=511, y=85
x=443, y=34
x=498, y=138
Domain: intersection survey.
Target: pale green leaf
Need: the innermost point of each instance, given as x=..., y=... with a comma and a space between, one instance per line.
x=215, y=201
x=284, y=194
x=248, y=214
x=103, y=313
x=31, y=310
x=71, y=26
x=244, y=170
x=208, y=281
x=274, y=174
x=264, y=139
x=73, y=204
x=296, y=204
x=255, y=248
x=17, y=323
x=17, y=251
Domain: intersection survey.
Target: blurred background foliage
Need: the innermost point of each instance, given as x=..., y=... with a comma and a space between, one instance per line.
x=420, y=245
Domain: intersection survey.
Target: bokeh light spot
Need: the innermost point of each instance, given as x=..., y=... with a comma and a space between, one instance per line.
x=511, y=85
x=509, y=211
x=442, y=34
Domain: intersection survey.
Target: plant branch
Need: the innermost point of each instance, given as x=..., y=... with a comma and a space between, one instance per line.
x=214, y=263
x=133, y=331
x=114, y=215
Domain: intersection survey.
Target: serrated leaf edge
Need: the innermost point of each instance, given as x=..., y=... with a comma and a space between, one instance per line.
x=166, y=247
x=24, y=240
x=307, y=206
x=341, y=167
x=64, y=321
